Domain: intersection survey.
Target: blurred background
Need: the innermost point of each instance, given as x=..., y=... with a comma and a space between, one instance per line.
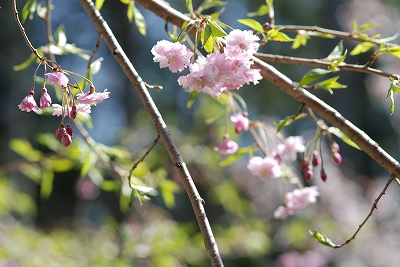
x=67, y=207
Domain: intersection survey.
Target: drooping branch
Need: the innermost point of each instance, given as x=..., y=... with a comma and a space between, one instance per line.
x=161, y=128
x=324, y=64
x=275, y=77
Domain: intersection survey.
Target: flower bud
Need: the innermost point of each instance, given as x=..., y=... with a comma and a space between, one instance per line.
x=316, y=159
x=73, y=113
x=66, y=140
x=335, y=147
x=308, y=175
x=337, y=158
x=60, y=131
x=323, y=175
x=69, y=130
x=305, y=165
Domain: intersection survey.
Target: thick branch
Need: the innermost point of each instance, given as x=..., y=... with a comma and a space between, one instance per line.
x=161, y=128
x=272, y=75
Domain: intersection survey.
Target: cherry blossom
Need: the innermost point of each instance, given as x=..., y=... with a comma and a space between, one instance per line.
x=227, y=146
x=290, y=147
x=295, y=200
x=28, y=104
x=264, y=167
x=92, y=98
x=45, y=99
x=175, y=56
x=57, y=78
x=245, y=40
x=241, y=122
x=82, y=108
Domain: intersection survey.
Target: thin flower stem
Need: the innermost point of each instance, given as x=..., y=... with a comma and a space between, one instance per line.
x=161, y=128
x=96, y=47
x=22, y=29
x=142, y=158
x=373, y=208
x=324, y=64
x=49, y=34
x=338, y=34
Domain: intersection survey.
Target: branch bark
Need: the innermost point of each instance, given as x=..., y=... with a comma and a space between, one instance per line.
x=161, y=128
x=269, y=73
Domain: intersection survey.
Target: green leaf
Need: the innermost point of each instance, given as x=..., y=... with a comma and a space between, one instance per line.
x=390, y=95
x=355, y=26
x=23, y=148
x=300, y=40
x=330, y=84
x=61, y=164
x=362, y=48
x=216, y=117
x=130, y=11
x=59, y=36
x=49, y=140
x=25, y=64
x=168, y=189
x=95, y=66
x=262, y=10
x=312, y=75
x=321, y=238
x=395, y=85
x=192, y=97
x=276, y=35
x=32, y=171
x=99, y=4
x=216, y=30
x=110, y=185
x=255, y=25
x=126, y=2
x=46, y=186
x=394, y=51
x=337, y=62
x=288, y=120
x=28, y=9
x=139, y=20
x=207, y=4
x=344, y=137
x=189, y=6
x=336, y=53
x=367, y=26
x=236, y=156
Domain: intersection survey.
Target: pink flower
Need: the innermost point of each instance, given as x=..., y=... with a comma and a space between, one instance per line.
x=201, y=76
x=241, y=122
x=92, y=98
x=245, y=40
x=296, y=200
x=264, y=167
x=226, y=146
x=82, y=108
x=57, y=78
x=291, y=146
x=176, y=56
x=45, y=99
x=28, y=104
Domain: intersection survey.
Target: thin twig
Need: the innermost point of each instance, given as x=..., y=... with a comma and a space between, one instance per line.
x=161, y=128
x=338, y=34
x=49, y=33
x=324, y=64
x=374, y=206
x=22, y=29
x=142, y=158
x=96, y=47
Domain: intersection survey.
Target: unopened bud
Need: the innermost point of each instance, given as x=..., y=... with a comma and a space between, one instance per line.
x=323, y=175
x=316, y=159
x=305, y=165
x=337, y=158
x=73, y=113
x=60, y=131
x=335, y=147
x=66, y=140
x=69, y=130
x=308, y=175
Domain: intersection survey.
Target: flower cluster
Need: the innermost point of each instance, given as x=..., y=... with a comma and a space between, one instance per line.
x=296, y=200
x=69, y=108
x=216, y=72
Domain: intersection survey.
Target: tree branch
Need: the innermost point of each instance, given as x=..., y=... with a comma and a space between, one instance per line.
x=324, y=64
x=161, y=128
x=278, y=79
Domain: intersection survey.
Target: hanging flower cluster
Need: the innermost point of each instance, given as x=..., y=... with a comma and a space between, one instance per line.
x=216, y=72
x=69, y=107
